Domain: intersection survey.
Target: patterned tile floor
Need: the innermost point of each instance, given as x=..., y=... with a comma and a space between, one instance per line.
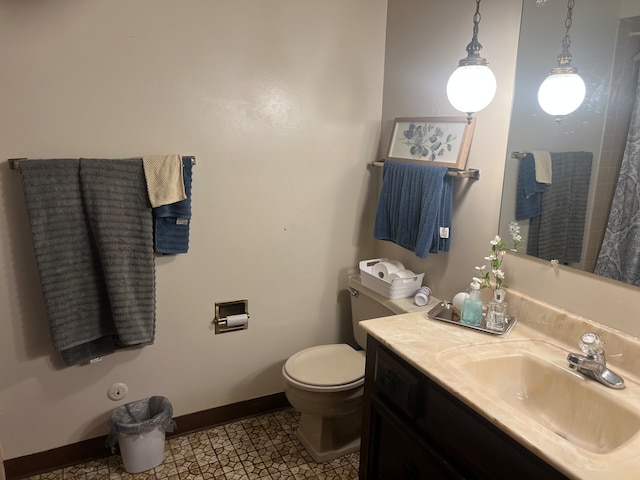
x=263, y=447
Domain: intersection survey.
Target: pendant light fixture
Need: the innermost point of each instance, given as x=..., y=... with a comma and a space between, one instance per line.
x=563, y=91
x=472, y=85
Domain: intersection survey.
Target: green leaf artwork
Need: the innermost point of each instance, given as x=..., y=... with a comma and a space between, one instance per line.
x=427, y=141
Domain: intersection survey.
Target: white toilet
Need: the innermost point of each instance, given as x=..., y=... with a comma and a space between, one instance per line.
x=326, y=383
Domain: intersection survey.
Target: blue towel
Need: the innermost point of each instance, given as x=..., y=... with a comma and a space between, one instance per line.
x=414, y=203
x=445, y=216
x=529, y=191
x=171, y=222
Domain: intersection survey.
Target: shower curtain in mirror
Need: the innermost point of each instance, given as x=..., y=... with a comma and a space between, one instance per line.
x=619, y=257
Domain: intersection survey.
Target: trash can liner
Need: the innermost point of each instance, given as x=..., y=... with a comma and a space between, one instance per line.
x=140, y=417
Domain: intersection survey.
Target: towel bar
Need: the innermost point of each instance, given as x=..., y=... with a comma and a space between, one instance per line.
x=14, y=163
x=519, y=155
x=472, y=173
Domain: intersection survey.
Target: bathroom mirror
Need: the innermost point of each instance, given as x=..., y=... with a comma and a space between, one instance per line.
x=605, y=43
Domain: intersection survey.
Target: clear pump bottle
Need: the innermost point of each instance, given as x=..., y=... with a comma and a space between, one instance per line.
x=472, y=307
x=497, y=312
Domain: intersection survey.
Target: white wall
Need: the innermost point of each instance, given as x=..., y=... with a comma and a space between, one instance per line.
x=279, y=101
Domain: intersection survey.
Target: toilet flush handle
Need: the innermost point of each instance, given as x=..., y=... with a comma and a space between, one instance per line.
x=354, y=292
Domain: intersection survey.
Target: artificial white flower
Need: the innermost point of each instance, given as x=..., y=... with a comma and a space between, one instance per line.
x=516, y=238
x=494, y=277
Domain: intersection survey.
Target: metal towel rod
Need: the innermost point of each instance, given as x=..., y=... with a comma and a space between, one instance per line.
x=14, y=163
x=472, y=173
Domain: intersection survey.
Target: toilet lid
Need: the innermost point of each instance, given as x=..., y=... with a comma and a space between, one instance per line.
x=326, y=365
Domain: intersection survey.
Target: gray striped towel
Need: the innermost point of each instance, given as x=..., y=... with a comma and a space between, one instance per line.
x=559, y=230
x=93, y=239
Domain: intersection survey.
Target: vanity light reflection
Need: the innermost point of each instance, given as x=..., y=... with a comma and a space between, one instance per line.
x=563, y=91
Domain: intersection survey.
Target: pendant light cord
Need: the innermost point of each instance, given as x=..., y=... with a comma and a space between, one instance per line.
x=474, y=47
x=566, y=41
x=476, y=20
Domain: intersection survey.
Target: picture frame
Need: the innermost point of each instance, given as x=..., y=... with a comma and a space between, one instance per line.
x=440, y=141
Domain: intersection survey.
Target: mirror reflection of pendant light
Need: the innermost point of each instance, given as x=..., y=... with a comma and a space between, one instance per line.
x=472, y=85
x=563, y=91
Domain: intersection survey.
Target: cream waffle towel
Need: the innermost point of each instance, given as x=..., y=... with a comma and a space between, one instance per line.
x=165, y=183
x=543, y=166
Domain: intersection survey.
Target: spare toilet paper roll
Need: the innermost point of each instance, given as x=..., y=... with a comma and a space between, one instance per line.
x=384, y=269
x=401, y=274
x=239, y=320
x=422, y=297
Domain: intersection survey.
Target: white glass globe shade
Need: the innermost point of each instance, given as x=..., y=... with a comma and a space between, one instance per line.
x=561, y=93
x=471, y=88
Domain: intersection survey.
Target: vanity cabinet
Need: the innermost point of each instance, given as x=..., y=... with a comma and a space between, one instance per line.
x=414, y=429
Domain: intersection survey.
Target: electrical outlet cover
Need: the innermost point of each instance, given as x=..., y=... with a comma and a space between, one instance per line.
x=117, y=391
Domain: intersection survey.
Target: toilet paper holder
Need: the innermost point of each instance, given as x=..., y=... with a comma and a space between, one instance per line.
x=231, y=316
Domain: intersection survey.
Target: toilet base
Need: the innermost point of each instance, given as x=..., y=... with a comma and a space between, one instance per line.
x=326, y=438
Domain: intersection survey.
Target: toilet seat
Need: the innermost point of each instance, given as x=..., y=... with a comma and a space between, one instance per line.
x=326, y=368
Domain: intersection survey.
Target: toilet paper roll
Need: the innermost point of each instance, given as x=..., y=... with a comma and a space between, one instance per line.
x=422, y=297
x=239, y=320
x=402, y=274
x=384, y=269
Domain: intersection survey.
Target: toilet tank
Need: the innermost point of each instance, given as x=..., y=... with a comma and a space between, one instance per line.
x=367, y=304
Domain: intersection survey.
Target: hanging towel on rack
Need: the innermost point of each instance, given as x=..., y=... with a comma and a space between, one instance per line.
x=92, y=235
x=172, y=222
x=528, y=191
x=542, y=161
x=445, y=216
x=413, y=206
x=559, y=230
x=163, y=174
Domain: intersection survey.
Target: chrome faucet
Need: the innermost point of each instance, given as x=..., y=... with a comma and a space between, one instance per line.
x=592, y=363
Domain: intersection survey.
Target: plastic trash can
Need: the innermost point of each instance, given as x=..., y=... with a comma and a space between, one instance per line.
x=139, y=430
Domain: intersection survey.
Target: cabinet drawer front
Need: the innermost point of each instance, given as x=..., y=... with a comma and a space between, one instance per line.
x=396, y=383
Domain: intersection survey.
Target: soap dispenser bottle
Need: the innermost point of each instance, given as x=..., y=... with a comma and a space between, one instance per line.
x=472, y=307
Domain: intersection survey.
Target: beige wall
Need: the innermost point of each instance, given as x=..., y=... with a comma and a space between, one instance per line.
x=281, y=103
x=605, y=301
x=630, y=8
x=425, y=40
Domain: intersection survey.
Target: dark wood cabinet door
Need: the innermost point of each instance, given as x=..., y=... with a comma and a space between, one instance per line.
x=398, y=453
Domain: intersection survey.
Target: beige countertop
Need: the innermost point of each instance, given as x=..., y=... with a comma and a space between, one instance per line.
x=438, y=349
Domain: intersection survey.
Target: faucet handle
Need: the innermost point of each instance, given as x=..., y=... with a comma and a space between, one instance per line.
x=591, y=344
